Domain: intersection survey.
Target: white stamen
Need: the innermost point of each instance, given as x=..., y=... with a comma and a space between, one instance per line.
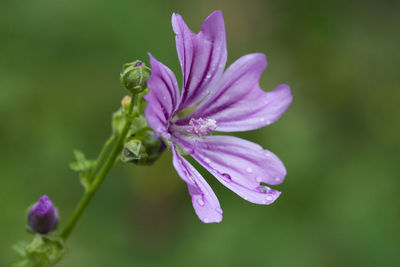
x=201, y=126
x=196, y=126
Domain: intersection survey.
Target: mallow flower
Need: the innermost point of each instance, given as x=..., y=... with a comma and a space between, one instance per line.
x=214, y=100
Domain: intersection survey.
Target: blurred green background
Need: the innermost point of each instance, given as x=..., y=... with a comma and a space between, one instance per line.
x=59, y=83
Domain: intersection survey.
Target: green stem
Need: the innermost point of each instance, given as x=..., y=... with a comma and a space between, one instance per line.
x=99, y=178
x=102, y=155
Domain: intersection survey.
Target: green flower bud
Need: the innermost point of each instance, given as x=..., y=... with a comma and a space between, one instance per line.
x=143, y=152
x=133, y=151
x=134, y=76
x=126, y=102
x=118, y=121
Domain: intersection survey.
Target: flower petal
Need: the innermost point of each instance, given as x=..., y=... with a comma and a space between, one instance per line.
x=238, y=164
x=239, y=104
x=202, y=56
x=163, y=97
x=205, y=203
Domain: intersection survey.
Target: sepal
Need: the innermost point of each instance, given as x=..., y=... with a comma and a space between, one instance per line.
x=43, y=251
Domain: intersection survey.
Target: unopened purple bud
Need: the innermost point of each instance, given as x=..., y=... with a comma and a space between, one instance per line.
x=138, y=64
x=43, y=216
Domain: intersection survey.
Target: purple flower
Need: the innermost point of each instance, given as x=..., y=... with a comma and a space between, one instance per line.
x=43, y=216
x=211, y=100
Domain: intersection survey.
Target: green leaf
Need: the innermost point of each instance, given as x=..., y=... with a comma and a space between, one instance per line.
x=19, y=248
x=83, y=166
x=43, y=251
x=23, y=260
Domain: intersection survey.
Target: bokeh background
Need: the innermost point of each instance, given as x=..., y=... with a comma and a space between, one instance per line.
x=59, y=83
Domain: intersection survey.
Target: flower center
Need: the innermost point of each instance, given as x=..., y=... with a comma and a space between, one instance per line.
x=196, y=126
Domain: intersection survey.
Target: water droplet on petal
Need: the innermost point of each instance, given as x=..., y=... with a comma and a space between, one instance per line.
x=269, y=198
x=262, y=189
x=277, y=178
x=246, y=198
x=262, y=119
x=272, y=192
x=227, y=176
x=268, y=122
x=207, y=160
x=200, y=201
x=264, y=202
x=267, y=154
x=249, y=170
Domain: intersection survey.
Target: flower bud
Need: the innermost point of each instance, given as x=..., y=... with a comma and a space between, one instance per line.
x=43, y=216
x=126, y=102
x=134, y=76
x=145, y=151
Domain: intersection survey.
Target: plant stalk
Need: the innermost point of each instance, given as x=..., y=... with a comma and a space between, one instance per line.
x=101, y=175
